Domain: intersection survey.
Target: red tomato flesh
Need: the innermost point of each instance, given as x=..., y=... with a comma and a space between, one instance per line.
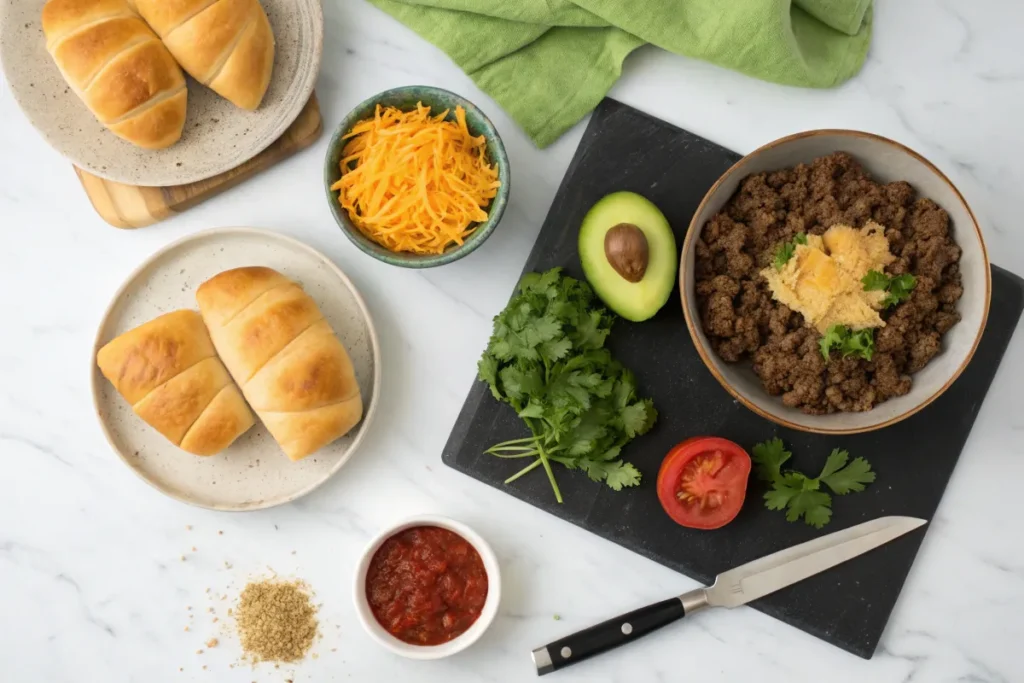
x=703, y=481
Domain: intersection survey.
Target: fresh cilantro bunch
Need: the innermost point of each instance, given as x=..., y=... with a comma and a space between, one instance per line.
x=546, y=359
x=800, y=495
x=787, y=249
x=848, y=342
x=897, y=287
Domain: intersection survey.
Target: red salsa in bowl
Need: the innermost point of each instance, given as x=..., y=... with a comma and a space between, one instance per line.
x=426, y=585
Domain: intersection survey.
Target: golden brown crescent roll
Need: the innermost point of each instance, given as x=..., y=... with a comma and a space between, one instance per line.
x=225, y=44
x=119, y=68
x=168, y=370
x=291, y=367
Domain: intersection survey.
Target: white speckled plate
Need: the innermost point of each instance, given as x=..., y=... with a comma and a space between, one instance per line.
x=218, y=136
x=253, y=473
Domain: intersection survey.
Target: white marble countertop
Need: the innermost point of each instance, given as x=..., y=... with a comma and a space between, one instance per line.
x=91, y=584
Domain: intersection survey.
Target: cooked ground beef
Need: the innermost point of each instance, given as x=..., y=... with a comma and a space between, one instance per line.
x=743, y=321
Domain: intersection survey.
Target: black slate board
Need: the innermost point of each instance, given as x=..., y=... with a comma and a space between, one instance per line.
x=848, y=606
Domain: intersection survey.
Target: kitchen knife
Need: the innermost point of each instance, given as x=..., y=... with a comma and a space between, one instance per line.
x=732, y=588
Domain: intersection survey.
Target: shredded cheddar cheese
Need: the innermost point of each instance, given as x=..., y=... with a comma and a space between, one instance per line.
x=414, y=182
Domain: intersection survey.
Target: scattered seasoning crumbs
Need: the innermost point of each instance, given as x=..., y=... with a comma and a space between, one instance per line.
x=199, y=652
x=557, y=618
x=186, y=628
x=220, y=533
x=193, y=549
x=215, y=620
x=276, y=620
x=204, y=667
x=212, y=642
x=227, y=565
x=188, y=527
x=182, y=558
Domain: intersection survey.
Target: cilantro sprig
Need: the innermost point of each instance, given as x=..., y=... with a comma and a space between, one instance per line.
x=848, y=342
x=787, y=249
x=801, y=496
x=897, y=288
x=546, y=359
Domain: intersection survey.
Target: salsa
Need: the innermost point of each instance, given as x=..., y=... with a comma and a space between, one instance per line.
x=426, y=585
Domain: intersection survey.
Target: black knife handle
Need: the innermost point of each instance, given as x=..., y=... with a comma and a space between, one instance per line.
x=613, y=633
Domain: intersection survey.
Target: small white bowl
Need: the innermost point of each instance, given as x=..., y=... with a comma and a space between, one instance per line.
x=472, y=634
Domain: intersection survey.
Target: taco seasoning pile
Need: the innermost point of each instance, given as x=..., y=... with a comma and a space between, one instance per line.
x=276, y=621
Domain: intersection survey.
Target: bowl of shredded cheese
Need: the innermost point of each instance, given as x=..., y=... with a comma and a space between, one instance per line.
x=416, y=176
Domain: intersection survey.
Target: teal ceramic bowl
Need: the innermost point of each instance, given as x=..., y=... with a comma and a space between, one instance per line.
x=405, y=98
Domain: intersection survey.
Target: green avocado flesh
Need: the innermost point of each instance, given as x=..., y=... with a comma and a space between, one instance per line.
x=632, y=300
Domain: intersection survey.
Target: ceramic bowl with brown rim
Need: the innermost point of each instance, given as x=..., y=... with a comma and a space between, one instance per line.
x=886, y=161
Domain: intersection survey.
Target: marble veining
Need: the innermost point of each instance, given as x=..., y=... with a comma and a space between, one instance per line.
x=93, y=586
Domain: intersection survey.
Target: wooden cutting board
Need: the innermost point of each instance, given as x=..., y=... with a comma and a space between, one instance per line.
x=134, y=206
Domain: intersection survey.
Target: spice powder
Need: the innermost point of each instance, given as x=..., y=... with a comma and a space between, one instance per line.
x=276, y=621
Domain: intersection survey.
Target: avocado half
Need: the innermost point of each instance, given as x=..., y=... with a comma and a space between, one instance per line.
x=629, y=254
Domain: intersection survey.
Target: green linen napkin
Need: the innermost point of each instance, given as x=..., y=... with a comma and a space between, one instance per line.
x=550, y=62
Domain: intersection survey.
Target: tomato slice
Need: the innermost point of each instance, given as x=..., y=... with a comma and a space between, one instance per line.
x=703, y=481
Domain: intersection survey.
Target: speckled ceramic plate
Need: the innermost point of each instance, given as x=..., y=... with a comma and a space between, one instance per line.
x=218, y=136
x=252, y=473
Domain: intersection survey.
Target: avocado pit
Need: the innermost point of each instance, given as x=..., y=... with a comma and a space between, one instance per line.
x=625, y=247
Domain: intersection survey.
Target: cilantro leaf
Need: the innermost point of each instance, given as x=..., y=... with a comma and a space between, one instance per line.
x=875, y=281
x=860, y=343
x=769, y=457
x=817, y=514
x=622, y=474
x=555, y=349
x=833, y=338
x=848, y=343
x=835, y=461
x=787, y=249
x=808, y=503
x=900, y=288
x=778, y=498
x=633, y=418
x=897, y=288
x=651, y=415
x=546, y=358
x=532, y=409
x=487, y=371
x=783, y=254
x=801, y=496
x=853, y=477
x=519, y=383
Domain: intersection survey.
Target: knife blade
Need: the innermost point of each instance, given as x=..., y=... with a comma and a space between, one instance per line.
x=732, y=588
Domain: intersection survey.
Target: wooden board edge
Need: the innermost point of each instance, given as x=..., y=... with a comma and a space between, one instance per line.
x=127, y=206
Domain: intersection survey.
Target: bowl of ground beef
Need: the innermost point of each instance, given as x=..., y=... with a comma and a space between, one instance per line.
x=767, y=355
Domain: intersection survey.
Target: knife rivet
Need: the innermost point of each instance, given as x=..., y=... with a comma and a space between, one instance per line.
x=566, y=653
